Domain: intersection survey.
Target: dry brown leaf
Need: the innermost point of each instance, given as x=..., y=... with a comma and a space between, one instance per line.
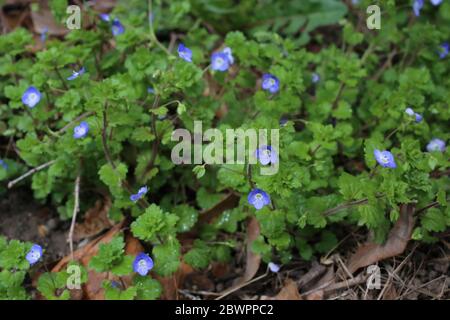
x=93, y=288
x=288, y=292
x=220, y=269
x=43, y=20
x=398, y=238
x=104, y=5
x=316, y=295
x=95, y=220
x=173, y=283
x=253, y=260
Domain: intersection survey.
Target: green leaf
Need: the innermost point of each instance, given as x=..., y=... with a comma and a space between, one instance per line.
x=112, y=292
x=199, y=256
x=147, y=288
x=50, y=283
x=153, y=223
x=167, y=258
x=109, y=255
x=434, y=220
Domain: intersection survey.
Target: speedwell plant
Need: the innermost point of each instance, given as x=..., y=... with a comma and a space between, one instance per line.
x=363, y=119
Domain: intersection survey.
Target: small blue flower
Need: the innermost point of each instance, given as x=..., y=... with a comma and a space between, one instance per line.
x=266, y=155
x=258, y=198
x=3, y=164
x=411, y=113
x=283, y=122
x=417, y=6
x=184, y=52
x=355, y=2
x=44, y=34
x=104, y=17
x=150, y=90
x=444, y=50
x=117, y=28
x=142, y=264
x=81, y=130
x=31, y=97
x=34, y=254
x=273, y=267
x=436, y=145
x=315, y=77
x=220, y=61
x=270, y=83
x=436, y=2
x=141, y=192
x=229, y=54
x=76, y=74
x=385, y=158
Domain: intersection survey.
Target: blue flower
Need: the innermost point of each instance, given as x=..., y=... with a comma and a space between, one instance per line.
x=258, y=198
x=266, y=155
x=417, y=6
x=31, y=97
x=220, y=61
x=229, y=54
x=76, y=74
x=81, y=130
x=436, y=2
x=117, y=28
x=44, y=34
x=184, y=52
x=283, y=122
x=34, y=254
x=355, y=2
x=315, y=77
x=385, y=158
x=141, y=192
x=104, y=17
x=273, y=267
x=411, y=112
x=436, y=145
x=270, y=83
x=445, y=48
x=150, y=90
x=142, y=264
x=3, y=164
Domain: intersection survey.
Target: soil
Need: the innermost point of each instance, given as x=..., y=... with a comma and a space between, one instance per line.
x=22, y=218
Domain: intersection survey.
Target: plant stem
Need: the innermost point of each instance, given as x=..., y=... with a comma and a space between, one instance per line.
x=29, y=173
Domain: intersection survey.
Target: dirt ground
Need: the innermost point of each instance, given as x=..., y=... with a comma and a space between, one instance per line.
x=22, y=218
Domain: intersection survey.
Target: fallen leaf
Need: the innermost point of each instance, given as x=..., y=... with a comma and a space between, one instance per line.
x=13, y=14
x=398, y=238
x=316, y=295
x=95, y=220
x=93, y=289
x=43, y=20
x=173, y=283
x=288, y=292
x=253, y=260
x=220, y=269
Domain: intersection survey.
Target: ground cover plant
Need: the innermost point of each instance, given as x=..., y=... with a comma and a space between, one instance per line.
x=86, y=123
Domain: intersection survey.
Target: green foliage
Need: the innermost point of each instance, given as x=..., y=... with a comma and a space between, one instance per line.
x=111, y=258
